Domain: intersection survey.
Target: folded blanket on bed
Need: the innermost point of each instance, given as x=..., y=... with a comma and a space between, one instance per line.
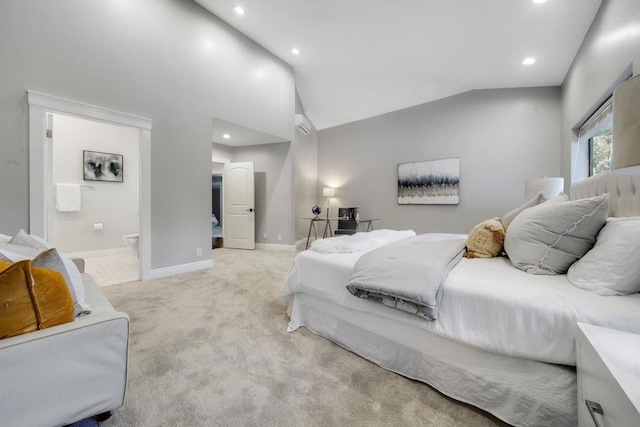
x=359, y=242
x=407, y=275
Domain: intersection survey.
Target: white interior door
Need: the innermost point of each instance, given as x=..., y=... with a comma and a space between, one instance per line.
x=238, y=218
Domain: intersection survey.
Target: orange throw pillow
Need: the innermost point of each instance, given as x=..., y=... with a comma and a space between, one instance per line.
x=51, y=298
x=17, y=315
x=31, y=299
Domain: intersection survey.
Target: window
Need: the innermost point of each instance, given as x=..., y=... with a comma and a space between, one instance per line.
x=600, y=150
x=597, y=131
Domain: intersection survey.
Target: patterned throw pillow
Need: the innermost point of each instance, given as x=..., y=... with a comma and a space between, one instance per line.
x=485, y=240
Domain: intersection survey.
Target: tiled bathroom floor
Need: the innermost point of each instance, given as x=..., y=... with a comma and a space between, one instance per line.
x=113, y=269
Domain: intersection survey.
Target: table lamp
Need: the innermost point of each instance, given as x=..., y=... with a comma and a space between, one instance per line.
x=328, y=192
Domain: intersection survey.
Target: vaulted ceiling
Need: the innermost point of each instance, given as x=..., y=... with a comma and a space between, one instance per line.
x=361, y=58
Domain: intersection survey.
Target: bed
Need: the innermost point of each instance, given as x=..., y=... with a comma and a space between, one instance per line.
x=503, y=339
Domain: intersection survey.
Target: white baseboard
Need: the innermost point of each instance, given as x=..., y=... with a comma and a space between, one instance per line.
x=100, y=253
x=179, y=269
x=302, y=243
x=275, y=247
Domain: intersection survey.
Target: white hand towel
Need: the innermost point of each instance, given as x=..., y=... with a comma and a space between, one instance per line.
x=68, y=197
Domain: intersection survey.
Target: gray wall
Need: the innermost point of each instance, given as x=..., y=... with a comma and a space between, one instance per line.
x=305, y=184
x=502, y=137
x=611, y=46
x=167, y=60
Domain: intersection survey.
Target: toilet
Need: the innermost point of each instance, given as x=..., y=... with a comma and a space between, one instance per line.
x=132, y=241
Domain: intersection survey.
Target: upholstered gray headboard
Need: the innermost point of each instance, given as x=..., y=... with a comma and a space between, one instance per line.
x=624, y=192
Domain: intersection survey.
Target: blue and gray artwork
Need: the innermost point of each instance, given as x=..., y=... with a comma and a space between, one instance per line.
x=435, y=182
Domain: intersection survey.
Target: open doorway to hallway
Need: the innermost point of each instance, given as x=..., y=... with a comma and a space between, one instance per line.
x=217, y=239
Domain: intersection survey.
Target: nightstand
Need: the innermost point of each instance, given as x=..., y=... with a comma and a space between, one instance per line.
x=608, y=377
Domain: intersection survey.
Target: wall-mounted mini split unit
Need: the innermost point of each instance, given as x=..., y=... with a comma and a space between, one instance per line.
x=303, y=124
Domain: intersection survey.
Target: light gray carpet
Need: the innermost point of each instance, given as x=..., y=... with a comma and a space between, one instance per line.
x=211, y=348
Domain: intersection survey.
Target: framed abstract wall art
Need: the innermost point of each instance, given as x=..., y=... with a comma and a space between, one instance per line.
x=102, y=166
x=433, y=182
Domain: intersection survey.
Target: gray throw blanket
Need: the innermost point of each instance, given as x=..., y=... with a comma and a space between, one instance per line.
x=407, y=275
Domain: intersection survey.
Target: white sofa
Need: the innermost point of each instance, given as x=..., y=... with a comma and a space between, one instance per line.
x=63, y=374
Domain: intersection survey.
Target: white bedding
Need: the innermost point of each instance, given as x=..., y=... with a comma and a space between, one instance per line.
x=487, y=303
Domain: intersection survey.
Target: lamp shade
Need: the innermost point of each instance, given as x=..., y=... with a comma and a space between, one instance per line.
x=551, y=186
x=625, y=148
x=329, y=192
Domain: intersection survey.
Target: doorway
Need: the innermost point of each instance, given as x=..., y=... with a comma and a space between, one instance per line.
x=217, y=239
x=101, y=162
x=41, y=183
x=235, y=143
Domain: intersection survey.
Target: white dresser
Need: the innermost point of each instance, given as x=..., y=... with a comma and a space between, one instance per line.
x=608, y=377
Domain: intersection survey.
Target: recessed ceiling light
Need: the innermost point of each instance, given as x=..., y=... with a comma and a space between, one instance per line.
x=295, y=51
x=226, y=136
x=539, y=1
x=239, y=10
x=529, y=61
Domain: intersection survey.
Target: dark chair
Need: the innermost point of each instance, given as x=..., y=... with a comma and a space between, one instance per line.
x=347, y=223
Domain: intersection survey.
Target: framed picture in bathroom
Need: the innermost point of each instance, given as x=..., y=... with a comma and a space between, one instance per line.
x=99, y=166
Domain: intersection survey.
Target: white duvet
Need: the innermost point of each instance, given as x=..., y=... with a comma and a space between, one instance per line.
x=486, y=303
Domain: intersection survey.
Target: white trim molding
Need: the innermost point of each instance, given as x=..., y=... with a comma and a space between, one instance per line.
x=40, y=169
x=276, y=247
x=215, y=159
x=66, y=106
x=100, y=253
x=180, y=269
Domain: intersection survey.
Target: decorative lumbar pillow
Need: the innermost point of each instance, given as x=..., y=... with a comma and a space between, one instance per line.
x=611, y=267
x=548, y=238
x=485, y=240
x=17, y=315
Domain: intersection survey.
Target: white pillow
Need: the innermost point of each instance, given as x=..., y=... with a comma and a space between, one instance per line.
x=4, y=238
x=612, y=267
x=549, y=237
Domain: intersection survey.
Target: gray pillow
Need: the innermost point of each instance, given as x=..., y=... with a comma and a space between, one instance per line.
x=510, y=216
x=549, y=237
x=23, y=239
x=51, y=260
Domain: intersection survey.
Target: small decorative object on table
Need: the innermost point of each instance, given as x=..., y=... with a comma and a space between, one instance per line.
x=316, y=210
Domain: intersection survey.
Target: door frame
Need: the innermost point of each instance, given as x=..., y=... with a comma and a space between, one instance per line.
x=40, y=168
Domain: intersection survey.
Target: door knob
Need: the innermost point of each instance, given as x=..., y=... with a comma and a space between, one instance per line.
x=249, y=210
